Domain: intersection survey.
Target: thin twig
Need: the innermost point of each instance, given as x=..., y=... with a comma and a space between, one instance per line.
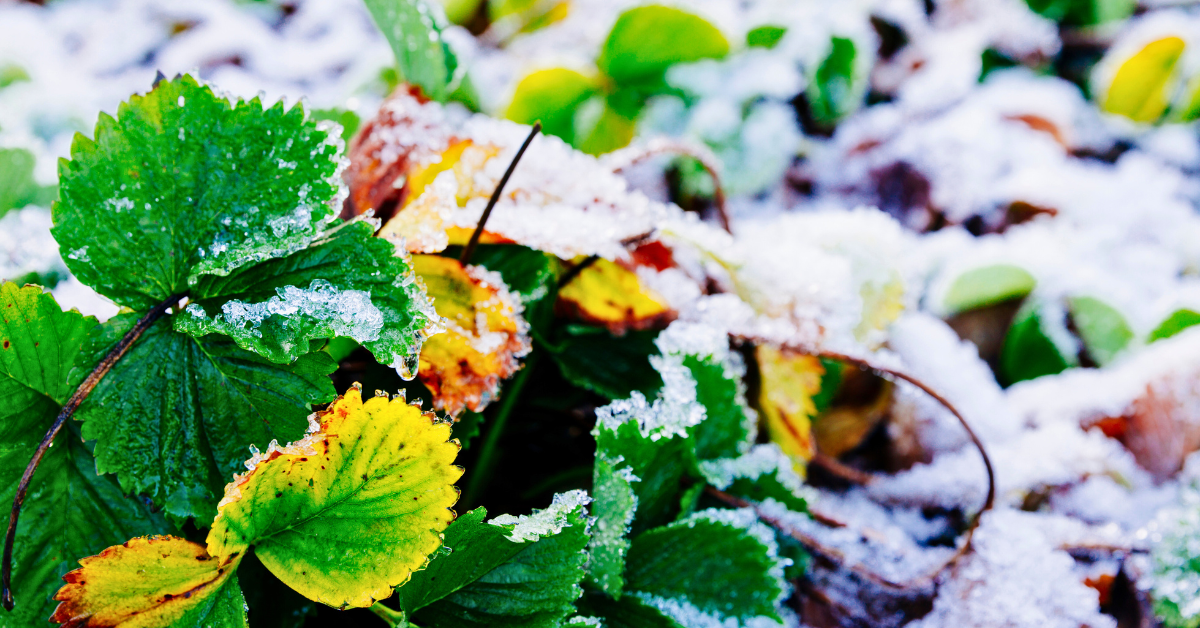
x=620, y=160
x=469, y=250
x=81, y=393
x=840, y=469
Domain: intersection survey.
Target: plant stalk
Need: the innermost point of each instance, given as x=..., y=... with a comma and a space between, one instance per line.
x=469, y=249
x=393, y=617
x=114, y=355
x=482, y=473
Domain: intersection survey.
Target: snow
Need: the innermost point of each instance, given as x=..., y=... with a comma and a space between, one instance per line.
x=545, y=522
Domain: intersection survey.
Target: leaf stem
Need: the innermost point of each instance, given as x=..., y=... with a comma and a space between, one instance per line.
x=393, y=617
x=114, y=355
x=469, y=249
x=482, y=473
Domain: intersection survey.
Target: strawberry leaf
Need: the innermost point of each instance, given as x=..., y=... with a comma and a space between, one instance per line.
x=174, y=417
x=508, y=572
x=70, y=512
x=350, y=511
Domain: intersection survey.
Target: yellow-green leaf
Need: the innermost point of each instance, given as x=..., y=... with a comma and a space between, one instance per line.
x=485, y=334
x=1139, y=89
x=152, y=582
x=349, y=512
x=550, y=96
x=988, y=285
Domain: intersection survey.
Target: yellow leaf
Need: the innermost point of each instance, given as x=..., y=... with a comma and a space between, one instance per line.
x=1139, y=89
x=788, y=383
x=151, y=582
x=349, y=512
x=842, y=428
x=485, y=334
x=609, y=294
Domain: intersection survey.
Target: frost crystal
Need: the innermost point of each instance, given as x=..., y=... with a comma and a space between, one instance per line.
x=350, y=313
x=685, y=614
x=762, y=460
x=546, y=522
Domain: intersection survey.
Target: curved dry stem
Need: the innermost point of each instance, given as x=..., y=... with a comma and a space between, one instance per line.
x=621, y=159
x=114, y=355
x=469, y=249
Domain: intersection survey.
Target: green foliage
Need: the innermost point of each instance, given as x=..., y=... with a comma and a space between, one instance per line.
x=1102, y=328
x=1029, y=351
x=648, y=39
x=836, y=89
x=71, y=511
x=413, y=28
x=550, y=96
x=508, y=572
x=17, y=185
x=728, y=423
x=765, y=36
x=610, y=366
x=179, y=444
x=1178, y=321
x=615, y=505
x=988, y=285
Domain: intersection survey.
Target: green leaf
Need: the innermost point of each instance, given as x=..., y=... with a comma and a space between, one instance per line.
x=765, y=472
x=174, y=417
x=988, y=285
x=1102, y=328
x=1029, y=351
x=512, y=571
x=347, y=119
x=550, y=96
x=17, y=185
x=729, y=426
x=654, y=461
x=627, y=612
x=1176, y=567
x=615, y=504
x=69, y=512
x=733, y=570
x=350, y=511
x=12, y=73
x=184, y=184
x=601, y=127
x=414, y=30
x=648, y=39
x=766, y=36
x=153, y=581
x=346, y=284
x=610, y=366
x=836, y=87
x=1178, y=321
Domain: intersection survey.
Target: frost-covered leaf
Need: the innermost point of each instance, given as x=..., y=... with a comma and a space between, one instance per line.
x=1178, y=321
x=511, y=571
x=346, y=284
x=615, y=505
x=17, y=185
x=413, y=28
x=789, y=382
x=69, y=512
x=646, y=40
x=1139, y=89
x=174, y=416
x=485, y=334
x=733, y=568
x=550, y=96
x=729, y=425
x=159, y=581
x=764, y=472
x=980, y=287
x=610, y=366
x=1103, y=330
x=1175, y=581
x=350, y=511
x=606, y=293
x=184, y=183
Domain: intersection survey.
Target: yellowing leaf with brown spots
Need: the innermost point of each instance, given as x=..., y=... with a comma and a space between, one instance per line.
x=152, y=582
x=606, y=293
x=1140, y=87
x=788, y=383
x=485, y=334
x=349, y=512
